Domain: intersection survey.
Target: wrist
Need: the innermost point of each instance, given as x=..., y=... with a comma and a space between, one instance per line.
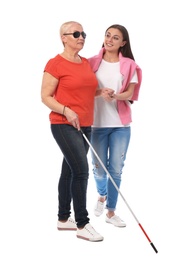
x=63, y=112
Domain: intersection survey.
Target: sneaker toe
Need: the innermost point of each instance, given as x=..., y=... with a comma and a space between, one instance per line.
x=116, y=221
x=89, y=233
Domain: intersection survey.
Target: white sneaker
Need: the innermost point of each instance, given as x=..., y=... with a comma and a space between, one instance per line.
x=68, y=225
x=99, y=208
x=116, y=221
x=89, y=233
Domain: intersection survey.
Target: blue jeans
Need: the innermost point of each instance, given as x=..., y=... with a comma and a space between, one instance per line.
x=73, y=180
x=111, y=146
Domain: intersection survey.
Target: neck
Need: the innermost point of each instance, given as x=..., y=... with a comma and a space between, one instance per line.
x=74, y=57
x=111, y=57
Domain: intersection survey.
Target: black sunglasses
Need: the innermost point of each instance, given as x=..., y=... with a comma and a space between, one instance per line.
x=77, y=34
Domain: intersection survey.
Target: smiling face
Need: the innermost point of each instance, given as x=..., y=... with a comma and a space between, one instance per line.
x=113, y=40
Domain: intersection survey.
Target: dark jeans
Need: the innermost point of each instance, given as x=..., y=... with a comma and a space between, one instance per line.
x=75, y=172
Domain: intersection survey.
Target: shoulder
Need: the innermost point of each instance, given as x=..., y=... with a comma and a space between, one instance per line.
x=85, y=61
x=93, y=60
x=54, y=61
x=55, y=66
x=97, y=56
x=93, y=57
x=127, y=60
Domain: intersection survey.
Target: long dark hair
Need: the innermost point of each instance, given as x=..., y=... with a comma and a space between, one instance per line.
x=126, y=49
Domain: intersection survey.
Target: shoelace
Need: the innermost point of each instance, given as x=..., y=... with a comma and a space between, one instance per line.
x=71, y=220
x=91, y=230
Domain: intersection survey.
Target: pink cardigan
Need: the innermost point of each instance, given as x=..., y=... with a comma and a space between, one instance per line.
x=127, y=69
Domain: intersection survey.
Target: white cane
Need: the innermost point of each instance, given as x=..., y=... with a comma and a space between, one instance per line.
x=118, y=190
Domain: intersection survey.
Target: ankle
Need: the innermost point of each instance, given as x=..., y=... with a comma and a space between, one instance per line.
x=110, y=214
x=63, y=221
x=102, y=198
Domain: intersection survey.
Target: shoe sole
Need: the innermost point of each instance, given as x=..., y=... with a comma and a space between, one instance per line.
x=91, y=240
x=115, y=225
x=70, y=229
x=97, y=215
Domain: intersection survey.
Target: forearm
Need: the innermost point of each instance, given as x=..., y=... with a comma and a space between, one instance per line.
x=98, y=92
x=53, y=105
x=123, y=96
x=126, y=95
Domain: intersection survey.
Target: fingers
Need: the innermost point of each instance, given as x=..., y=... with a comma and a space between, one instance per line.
x=108, y=94
x=107, y=91
x=75, y=123
x=72, y=117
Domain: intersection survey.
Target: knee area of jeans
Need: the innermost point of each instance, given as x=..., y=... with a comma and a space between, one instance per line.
x=116, y=174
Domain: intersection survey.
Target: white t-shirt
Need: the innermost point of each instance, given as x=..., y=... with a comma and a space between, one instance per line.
x=109, y=76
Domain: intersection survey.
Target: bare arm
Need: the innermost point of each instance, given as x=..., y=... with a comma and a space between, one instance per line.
x=126, y=95
x=48, y=88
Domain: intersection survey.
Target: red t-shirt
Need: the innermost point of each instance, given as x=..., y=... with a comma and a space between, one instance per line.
x=76, y=89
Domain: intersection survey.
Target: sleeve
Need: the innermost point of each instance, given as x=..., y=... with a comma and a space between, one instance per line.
x=134, y=79
x=51, y=68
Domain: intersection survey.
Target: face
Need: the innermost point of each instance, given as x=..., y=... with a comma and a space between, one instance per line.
x=113, y=40
x=74, y=37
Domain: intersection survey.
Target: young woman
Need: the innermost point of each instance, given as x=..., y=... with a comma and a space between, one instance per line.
x=119, y=79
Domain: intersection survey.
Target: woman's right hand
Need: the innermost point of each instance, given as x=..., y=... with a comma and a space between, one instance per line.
x=72, y=117
x=107, y=94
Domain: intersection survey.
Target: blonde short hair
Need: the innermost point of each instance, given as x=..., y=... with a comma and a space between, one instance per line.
x=65, y=27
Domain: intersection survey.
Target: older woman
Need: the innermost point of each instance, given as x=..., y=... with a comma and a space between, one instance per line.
x=68, y=89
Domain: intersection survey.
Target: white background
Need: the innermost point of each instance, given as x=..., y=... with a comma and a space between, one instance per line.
x=155, y=182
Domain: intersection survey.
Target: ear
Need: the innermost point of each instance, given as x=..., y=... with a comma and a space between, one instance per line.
x=63, y=39
x=123, y=43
